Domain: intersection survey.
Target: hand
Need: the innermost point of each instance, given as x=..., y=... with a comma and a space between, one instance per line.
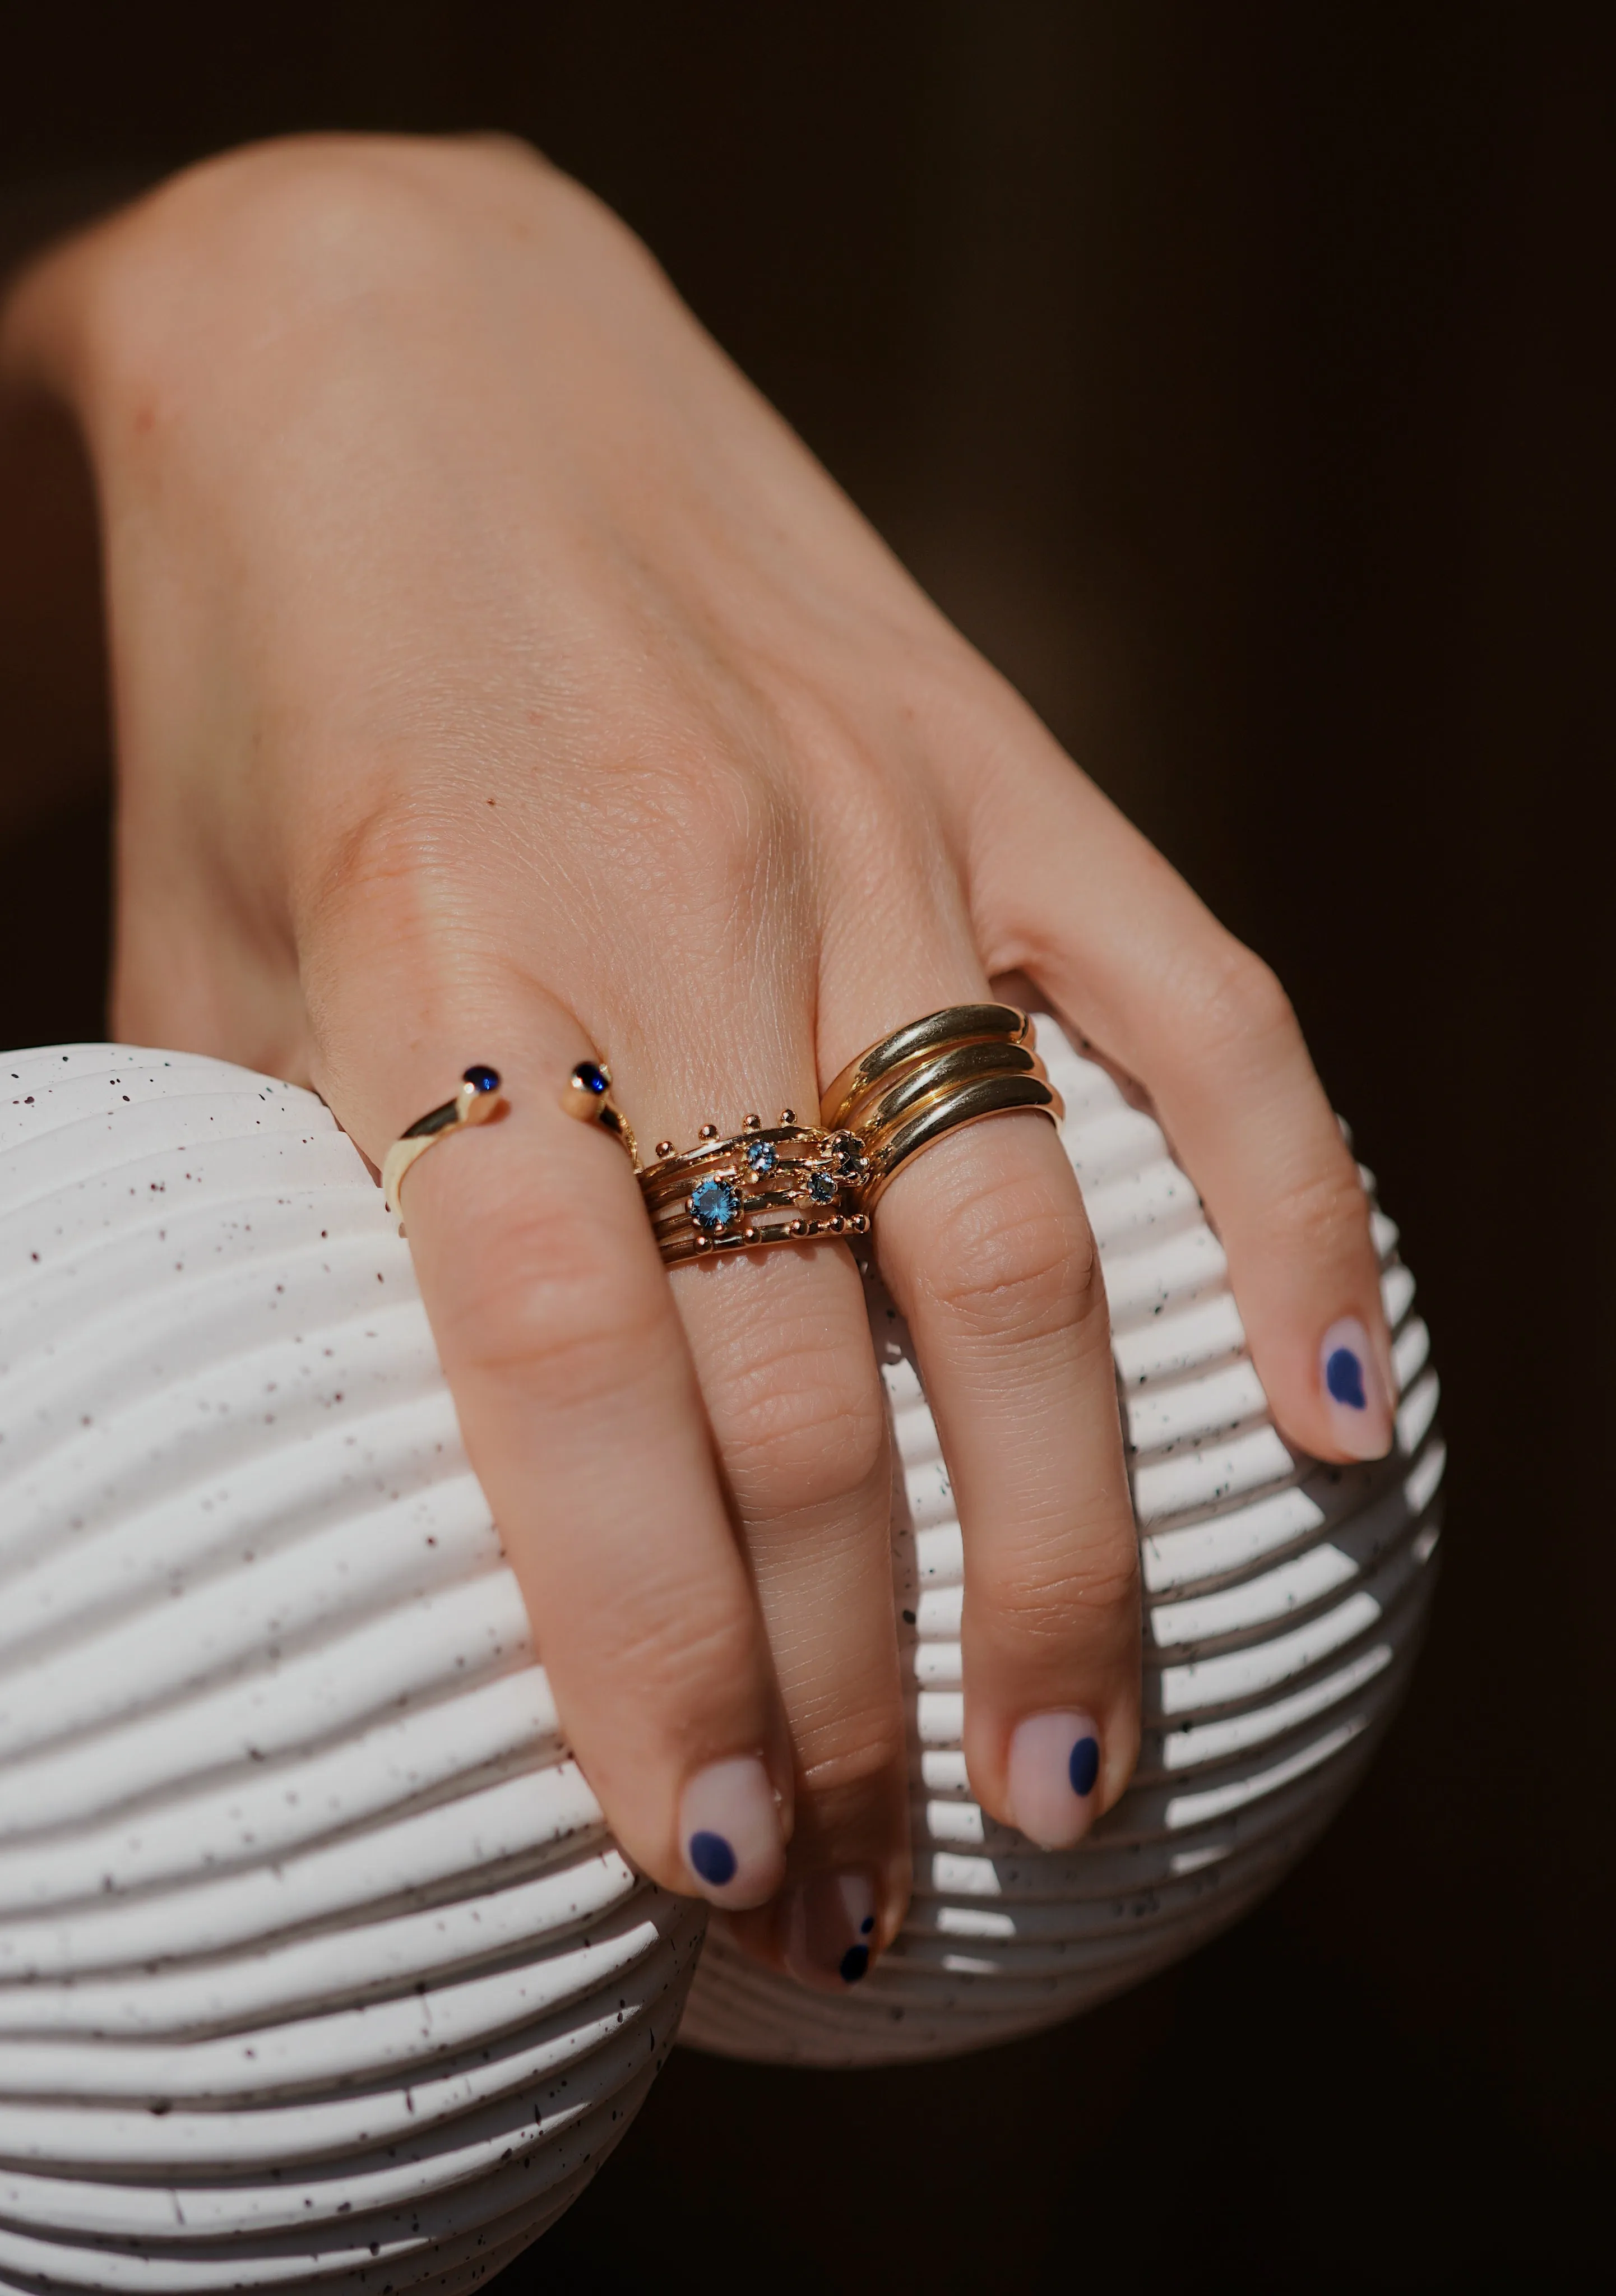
x=498, y=679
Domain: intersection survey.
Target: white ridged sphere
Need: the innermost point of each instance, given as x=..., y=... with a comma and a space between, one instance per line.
x=316, y=1956
x=315, y=1960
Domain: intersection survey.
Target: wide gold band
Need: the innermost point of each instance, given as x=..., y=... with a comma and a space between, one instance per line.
x=787, y=1183
x=952, y=1069
x=955, y=1025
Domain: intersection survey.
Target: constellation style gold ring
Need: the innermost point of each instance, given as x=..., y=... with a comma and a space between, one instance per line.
x=933, y=1078
x=478, y=1098
x=787, y=1183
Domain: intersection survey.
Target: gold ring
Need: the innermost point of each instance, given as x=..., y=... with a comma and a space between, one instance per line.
x=933, y=1077
x=588, y=1095
x=478, y=1098
x=787, y=1183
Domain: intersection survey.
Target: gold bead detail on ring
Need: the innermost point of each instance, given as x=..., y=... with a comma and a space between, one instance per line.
x=789, y=1183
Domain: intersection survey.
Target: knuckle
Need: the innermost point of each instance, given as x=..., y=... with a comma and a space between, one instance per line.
x=801, y=1428
x=670, y=1642
x=699, y=834
x=1015, y=1259
x=538, y=1308
x=1322, y=1213
x=382, y=877
x=1237, y=1003
x=1069, y=1593
x=864, y=1752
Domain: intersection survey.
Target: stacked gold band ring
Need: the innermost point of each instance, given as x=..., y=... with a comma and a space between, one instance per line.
x=933, y=1078
x=787, y=1183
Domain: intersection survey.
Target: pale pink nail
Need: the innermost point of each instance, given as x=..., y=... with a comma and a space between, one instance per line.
x=1354, y=1390
x=1055, y=1769
x=730, y=1834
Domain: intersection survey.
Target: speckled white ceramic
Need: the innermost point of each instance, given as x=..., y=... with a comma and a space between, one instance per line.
x=315, y=1960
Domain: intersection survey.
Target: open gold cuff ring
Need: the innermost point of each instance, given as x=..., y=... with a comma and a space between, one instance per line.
x=480, y=1098
x=787, y=1183
x=953, y=1068
x=587, y=1093
x=588, y=1096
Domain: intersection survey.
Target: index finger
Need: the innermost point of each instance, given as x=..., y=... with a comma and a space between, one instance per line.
x=582, y=1416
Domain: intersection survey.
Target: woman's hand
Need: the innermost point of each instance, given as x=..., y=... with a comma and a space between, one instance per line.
x=498, y=679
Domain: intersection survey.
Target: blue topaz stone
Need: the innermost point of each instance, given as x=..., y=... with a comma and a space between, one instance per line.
x=714, y=1206
x=822, y=1187
x=482, y=1079
x=760, y=1155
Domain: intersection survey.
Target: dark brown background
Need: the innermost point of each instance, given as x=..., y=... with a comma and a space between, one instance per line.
x=1229, y=374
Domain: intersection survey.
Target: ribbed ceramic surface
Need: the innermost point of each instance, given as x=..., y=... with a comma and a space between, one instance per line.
x=1283, y=1601
x=316, y=1958
x=316, y=1962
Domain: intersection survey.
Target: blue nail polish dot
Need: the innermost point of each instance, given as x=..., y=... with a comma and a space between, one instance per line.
x=1084, y=1766
x=712, y=1857
x=866, y=1926
x=1344, y=1378
x=855, y=1964
x=482, y=1079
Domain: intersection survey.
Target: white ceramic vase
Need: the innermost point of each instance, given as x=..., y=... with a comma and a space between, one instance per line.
x=316, y=1962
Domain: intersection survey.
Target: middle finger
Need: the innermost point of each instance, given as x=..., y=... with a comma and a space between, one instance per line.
x=780, y=1338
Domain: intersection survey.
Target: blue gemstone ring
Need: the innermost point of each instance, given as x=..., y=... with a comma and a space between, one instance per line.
x=787, y=1183
x=480, y=1098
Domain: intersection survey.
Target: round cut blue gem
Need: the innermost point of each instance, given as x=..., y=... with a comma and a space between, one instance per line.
x=713, y=1205
x=482, y=1079
x=822, y=1187
x=760, y=1155
x=592, y=1076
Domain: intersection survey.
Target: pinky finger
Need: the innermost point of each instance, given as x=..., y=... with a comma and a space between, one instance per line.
x=1119, y=942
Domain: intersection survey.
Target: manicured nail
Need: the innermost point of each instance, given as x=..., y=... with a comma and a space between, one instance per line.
x=1355, y=1391
x=830, y=1931
x=729, y=1826
x=1054, y=1766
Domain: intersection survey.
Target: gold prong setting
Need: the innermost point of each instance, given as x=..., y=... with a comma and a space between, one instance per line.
x=786, y=1183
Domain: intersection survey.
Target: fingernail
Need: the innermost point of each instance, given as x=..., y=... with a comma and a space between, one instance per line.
x=1054, y=1766
x=1355, y=1390
x=729, y=1828
x=830, y=1931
